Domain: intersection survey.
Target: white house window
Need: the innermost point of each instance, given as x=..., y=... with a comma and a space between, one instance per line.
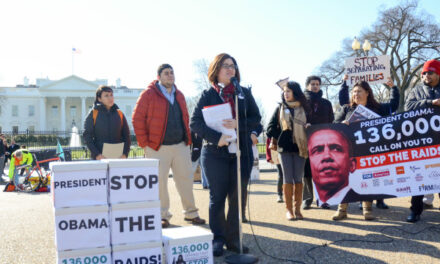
x=73, y=111
x=128, y=110
x=15, y=129
x=54, y=111
x=15, y=110
x=31, y=110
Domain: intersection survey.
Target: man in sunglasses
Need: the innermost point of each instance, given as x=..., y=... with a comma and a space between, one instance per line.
x=427, y=95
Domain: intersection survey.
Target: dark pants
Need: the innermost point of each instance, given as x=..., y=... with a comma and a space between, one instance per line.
x=417, y=204
x=308, y=185
x=221, y=171
x=280, y=180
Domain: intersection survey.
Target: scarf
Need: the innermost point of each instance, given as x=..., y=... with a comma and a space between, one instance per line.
x=228, y=95
x=298, y=128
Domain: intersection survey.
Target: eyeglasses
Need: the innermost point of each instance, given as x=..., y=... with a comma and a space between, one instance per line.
x=229, y=66
x=428, y=72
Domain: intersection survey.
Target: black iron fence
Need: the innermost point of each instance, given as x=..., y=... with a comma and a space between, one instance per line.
x=73, y=142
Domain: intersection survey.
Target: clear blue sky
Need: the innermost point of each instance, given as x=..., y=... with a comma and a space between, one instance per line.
x=128, y=39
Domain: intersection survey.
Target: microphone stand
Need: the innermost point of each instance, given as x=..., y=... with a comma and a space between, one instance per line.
x=239, y=258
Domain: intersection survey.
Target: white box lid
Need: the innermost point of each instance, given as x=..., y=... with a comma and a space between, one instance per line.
x=78, y=166
x=186, y=234
x=135, y=205
x=130, y=163
x=135, y=246
x=81, y=209
x=83, y=252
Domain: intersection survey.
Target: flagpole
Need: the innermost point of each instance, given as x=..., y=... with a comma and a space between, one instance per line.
x=73, y=54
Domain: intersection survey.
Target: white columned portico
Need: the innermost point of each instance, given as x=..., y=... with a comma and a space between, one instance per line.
x=42, y=113
x=63, y=113
x=83, y=111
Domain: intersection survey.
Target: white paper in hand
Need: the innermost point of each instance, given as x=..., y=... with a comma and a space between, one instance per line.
x=214, y=116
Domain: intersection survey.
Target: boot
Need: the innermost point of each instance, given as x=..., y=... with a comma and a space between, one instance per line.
x=367, y=211
x=288, y=193
x=341, y=213
x=298, y=194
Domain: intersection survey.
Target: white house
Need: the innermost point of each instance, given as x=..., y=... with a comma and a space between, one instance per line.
x=56, y=105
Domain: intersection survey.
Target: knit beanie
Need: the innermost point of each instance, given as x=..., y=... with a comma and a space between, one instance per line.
x=431, y=65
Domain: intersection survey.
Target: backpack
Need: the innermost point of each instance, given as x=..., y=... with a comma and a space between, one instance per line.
x=95, y=115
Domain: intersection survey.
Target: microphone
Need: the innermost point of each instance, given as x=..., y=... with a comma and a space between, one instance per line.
x=237, y=86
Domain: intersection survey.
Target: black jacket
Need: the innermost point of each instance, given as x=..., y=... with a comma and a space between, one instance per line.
x=321, y=109
x=108, y=129
x=2, y=148
x=422, y=96
x=249, y=121
x=384, y=109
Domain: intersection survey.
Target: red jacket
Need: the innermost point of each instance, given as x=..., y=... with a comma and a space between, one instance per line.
x=150, y=116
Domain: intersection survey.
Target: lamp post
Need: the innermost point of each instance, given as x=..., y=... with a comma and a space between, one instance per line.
x=356, y=46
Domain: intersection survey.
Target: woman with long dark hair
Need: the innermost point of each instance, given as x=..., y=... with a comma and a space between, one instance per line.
x=287, y=126
x=105, y=123
x=362, y=94
x=219, y=164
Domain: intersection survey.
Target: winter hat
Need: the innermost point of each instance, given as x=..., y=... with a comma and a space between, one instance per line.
x=431, y=65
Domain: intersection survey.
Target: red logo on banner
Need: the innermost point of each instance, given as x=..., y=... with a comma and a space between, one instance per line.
x=381, y=174
x=400, y=170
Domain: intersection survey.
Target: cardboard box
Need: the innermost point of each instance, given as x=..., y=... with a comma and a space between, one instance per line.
x=85, y=256
x=135, y=222
x=79, y=183
x=191, y=244
x=133, y=180
x=149, y=252
x=82, y=227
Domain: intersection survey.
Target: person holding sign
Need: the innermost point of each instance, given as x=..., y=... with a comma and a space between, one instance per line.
x=362, y=94
x=344, y=98
x=105, y=123
x=218, y=161
x=321, y=112
x=427, y=95
x=161, y=124
x=287, y=126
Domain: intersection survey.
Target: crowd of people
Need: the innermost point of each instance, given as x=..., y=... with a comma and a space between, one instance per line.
x=166, y=131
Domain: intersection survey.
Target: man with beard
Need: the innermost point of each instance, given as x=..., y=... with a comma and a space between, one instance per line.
x=427, y=95
x=321, y=113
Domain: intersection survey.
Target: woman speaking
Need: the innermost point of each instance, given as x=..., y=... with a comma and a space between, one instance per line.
x=219, y=164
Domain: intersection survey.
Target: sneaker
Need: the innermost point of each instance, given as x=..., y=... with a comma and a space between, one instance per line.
x=280, y=199
x=306, y=205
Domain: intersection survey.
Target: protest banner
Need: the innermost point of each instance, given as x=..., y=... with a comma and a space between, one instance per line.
x=374, y=69
x=390, y=156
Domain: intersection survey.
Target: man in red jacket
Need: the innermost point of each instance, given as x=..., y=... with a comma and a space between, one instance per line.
x=161, y=124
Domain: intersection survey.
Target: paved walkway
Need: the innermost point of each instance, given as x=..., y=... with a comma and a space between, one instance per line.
x=27, y=230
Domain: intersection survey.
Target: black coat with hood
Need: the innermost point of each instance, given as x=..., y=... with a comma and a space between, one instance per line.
x=109, y=128
x=321, y=109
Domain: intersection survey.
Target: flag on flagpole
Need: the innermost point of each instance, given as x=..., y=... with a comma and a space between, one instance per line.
x=60, y=151
x=76, y=51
